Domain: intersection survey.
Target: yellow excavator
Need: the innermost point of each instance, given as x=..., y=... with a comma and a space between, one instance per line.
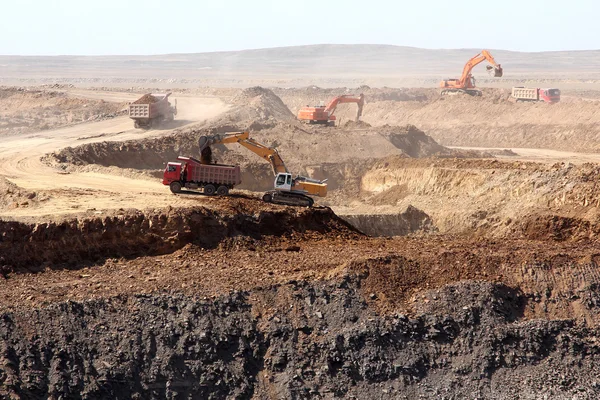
x=287, y=188
x=466, y=83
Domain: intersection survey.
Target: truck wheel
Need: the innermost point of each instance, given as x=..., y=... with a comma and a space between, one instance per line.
x=175, y=187
x=267, y=198
x=310, y=202
x=222, y=190
x=209, y=190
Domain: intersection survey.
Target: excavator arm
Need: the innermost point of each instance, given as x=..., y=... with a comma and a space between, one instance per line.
x=347, y=98
x=495, y=69
x=243, y=138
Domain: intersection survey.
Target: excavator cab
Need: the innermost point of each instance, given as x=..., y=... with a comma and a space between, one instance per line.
x=283, y=181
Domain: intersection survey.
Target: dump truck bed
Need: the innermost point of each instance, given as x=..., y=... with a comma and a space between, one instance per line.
x=150, y=106
x=525, y=93
x=228, y=175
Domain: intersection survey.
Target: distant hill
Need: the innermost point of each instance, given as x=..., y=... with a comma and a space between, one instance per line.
x=299, y=65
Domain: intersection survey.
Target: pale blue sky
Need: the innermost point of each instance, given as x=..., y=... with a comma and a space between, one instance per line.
x=50, y=27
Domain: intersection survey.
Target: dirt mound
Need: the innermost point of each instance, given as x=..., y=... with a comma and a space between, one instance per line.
x=356, y=125
x=556, y=227
x=146, y=99
x=255, y=105
x=413, y=141
x=12, y=196
x=25, y=110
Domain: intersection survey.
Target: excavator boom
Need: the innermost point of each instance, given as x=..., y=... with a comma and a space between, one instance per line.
x=466, y=81
x=347, y=98
x=243, y=138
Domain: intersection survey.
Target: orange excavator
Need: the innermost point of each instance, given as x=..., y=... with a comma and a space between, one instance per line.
x=324, y=114
x=466, y=83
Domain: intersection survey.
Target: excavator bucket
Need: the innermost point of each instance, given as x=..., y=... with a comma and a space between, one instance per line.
x=205, y=150
x=203, y=142
x=496, y=72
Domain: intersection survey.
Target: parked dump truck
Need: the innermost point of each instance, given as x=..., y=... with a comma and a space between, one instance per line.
x=190, y=173
x=151, y=110
x=521, y=93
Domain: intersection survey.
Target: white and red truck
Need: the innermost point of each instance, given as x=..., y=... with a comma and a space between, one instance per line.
x=151, y=110
x=536, y=94
x=190, y=173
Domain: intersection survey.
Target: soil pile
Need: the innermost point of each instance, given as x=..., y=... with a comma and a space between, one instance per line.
x=24, y=110
x=12, y=196
x=255, y=105
x=413, y=141
x=146, y=99
x=356, y=125
x=557, y=227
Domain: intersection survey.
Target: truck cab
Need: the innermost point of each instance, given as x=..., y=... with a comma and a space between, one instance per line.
x=172, y=173
x=550, y=95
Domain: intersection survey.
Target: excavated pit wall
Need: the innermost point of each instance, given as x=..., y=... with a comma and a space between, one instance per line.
x=299, y=340
x=411, y=220
x=35, y=246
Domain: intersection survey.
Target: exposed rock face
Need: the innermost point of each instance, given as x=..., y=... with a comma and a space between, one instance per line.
x=31, y=247
x=297, y=341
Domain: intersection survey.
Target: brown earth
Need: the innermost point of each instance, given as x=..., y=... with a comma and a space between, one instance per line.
x=146, y=99
x=271, y=300
x=366, y=172
x=24, y=110
x=493, y=120
x=143, y=294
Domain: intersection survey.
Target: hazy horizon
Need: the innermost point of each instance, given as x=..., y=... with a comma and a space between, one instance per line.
x=153, y=27
x=296, y=46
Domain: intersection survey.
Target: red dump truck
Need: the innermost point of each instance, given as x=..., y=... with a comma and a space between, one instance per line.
x=151, y=110
x=536, y=94
x=192, y=174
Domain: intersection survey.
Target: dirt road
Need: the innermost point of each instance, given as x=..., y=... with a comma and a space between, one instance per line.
x=540, y=155
x=20, y=160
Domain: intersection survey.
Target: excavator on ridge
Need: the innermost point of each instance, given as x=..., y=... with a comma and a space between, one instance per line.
x=466, y=83
x=287, y=188
x=324, y=114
